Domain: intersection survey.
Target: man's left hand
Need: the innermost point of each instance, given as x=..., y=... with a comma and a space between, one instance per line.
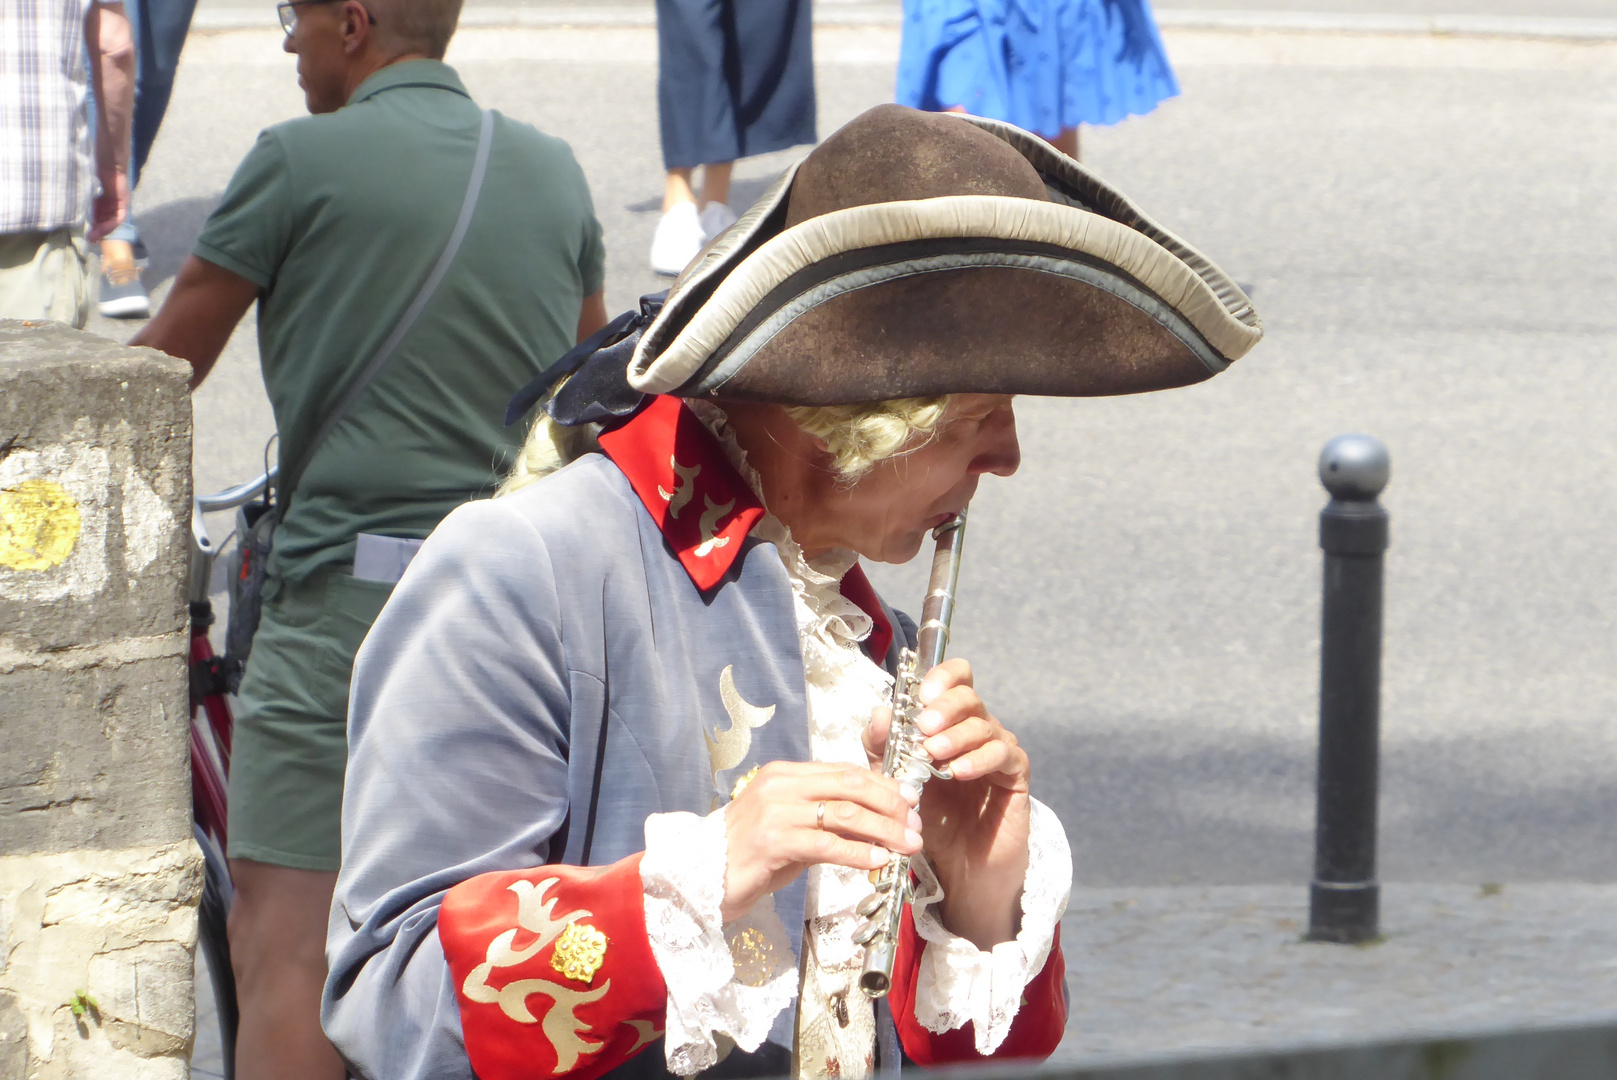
x=975, y=826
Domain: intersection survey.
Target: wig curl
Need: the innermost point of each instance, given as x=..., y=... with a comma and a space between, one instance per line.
x=548, y=447
x=857, y=437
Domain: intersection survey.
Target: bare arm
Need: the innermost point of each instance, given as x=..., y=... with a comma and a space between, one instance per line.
x=196, y=320
x=112, y=70
x=593, y=315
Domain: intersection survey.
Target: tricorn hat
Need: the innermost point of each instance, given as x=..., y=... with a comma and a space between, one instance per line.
x=918, y=254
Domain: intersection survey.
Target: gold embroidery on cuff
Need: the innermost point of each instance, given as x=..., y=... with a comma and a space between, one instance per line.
x=580, y=952
x=645, y=1032
x=561, y=1026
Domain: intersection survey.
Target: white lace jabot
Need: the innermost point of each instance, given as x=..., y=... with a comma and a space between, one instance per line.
x=728, y=983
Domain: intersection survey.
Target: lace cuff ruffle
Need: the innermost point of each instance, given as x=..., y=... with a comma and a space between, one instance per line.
x=957, y=981
x=728, y=981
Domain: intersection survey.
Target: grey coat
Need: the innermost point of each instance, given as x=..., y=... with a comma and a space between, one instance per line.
x=538, y=684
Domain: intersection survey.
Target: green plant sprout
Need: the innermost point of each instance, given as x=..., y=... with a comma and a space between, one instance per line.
x=81, y=1002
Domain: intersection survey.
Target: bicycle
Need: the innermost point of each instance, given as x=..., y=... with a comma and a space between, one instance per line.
x=212, y=679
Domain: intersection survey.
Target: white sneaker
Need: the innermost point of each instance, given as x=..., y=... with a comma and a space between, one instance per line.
x=716, y=217
x=121, y=294
x=677, y=240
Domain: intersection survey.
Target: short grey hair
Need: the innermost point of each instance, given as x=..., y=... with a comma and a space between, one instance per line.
x=418, y=26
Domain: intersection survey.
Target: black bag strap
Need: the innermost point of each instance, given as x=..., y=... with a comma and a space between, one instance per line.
x=390, y=344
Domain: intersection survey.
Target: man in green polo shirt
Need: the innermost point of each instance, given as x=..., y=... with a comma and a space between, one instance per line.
x=332, y=223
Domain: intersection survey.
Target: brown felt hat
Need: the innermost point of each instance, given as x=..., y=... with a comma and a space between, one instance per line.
x=916, y=254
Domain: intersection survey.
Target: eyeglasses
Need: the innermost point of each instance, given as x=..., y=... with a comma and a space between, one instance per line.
x=288, y=11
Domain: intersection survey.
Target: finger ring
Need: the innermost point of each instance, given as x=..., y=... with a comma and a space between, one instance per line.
x=819, y=817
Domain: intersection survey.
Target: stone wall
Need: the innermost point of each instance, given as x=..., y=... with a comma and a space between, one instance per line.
x=99, y=877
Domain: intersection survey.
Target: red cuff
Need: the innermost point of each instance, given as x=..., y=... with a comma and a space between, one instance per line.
x=1035, y=1032
x=553, y=970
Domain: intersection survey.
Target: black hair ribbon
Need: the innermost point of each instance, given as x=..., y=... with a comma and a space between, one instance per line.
x=599, y=389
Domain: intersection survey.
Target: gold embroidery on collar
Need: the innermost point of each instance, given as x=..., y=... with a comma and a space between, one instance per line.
x=684, y=485
x=709, y=525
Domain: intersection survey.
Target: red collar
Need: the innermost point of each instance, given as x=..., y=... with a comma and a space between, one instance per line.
x=702, y=505
x=856, y=587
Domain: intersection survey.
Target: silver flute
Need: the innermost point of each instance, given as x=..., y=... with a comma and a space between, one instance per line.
x=905, y=760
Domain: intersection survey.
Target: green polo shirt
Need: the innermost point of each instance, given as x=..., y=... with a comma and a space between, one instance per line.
x=338, y=220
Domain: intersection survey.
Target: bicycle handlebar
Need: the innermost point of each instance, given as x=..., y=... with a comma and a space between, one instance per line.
x=240, y=495
x=202, y=549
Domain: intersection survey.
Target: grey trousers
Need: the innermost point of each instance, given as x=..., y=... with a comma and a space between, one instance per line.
x=45, y=275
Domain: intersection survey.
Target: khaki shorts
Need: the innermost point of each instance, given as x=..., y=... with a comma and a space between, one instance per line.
x=45, y=275
x=291, y=741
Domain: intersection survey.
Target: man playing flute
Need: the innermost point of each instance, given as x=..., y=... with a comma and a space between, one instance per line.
x=614, y=787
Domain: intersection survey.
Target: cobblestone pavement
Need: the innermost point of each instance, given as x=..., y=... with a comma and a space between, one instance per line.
x=1158, y=971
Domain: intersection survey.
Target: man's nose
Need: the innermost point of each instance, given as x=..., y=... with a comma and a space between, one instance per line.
x=287, y=46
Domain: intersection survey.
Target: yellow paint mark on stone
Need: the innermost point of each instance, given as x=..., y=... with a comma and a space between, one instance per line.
x=39, y=524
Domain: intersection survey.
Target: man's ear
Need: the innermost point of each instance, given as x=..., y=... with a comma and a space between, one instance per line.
x=357, y=26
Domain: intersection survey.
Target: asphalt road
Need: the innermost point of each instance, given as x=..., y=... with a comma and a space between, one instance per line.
x=1429, y=229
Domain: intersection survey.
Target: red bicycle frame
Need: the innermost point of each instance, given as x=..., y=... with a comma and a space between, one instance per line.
x=210, y=765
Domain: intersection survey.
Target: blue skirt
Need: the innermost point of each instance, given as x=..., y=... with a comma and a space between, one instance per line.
x=1043, y=65
x=734, y=78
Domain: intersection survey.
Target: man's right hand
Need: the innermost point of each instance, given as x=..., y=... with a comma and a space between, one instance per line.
x=775, y=830
x=110, y=207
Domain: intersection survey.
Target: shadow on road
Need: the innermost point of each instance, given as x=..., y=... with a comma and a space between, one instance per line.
x=743, y=193
x=170, y=232
x=1150, y=808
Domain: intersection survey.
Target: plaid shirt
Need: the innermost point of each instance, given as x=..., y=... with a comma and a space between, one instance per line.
x=46, y=172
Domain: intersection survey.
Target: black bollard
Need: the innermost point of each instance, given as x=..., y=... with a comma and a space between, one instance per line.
x=1344, y=899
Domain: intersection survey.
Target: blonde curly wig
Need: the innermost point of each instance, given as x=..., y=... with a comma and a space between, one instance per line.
x=547, y=448
x=857, y=437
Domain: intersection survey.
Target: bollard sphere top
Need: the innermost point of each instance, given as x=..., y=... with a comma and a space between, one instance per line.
x=1354, y=467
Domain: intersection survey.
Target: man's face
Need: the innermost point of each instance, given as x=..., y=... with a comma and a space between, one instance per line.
x=323, y=41
x=887, y=515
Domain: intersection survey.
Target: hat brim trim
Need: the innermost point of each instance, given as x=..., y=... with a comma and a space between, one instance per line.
x=695, y=285
x=1079, y=234
x=850, y=272
x=1071, y=183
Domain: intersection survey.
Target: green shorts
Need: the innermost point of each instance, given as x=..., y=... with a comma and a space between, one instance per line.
x=291, y=741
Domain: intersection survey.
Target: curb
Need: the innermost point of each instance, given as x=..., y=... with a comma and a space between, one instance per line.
x=887, y=14
x=1309, y=22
